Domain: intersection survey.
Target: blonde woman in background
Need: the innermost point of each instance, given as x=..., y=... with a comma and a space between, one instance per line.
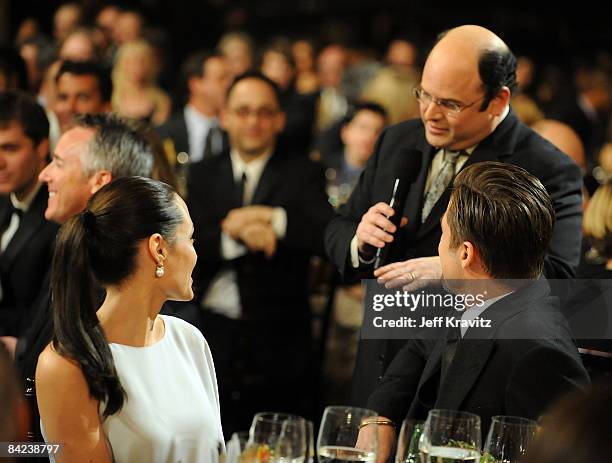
x=136, y=94
x=393, y=88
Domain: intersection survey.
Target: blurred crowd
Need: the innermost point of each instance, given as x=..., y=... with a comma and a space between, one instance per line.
x=337, y=100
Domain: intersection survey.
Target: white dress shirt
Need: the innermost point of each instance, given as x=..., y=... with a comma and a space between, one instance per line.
x=223, y=295
x=198, y=126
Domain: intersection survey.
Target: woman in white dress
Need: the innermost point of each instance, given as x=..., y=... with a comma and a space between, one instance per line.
x=120, y=382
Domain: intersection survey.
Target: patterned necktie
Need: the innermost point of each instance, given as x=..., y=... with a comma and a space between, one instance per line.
x=440, y=182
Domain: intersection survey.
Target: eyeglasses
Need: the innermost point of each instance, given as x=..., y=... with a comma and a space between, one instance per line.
x=452, y=108
x=243, y=112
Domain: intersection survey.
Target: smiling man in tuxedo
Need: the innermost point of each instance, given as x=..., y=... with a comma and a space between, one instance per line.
x=26, y=238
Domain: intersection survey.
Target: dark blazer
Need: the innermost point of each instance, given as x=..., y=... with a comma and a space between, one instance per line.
x=275, y=289
x=512, y=142
x=175, y=137
x=38, y=334
x=24, y=262
x=493, y=372
x=592, y=131
x=175, y=130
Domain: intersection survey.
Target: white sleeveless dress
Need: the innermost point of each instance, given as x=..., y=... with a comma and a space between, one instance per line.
x=172, y=408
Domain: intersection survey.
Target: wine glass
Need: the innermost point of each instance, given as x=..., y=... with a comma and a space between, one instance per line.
x=408, y=441
x=310, y=448
x=265, y=435
x=339, y=431
x=450, y=436
x=291, y=444
x=508, y=439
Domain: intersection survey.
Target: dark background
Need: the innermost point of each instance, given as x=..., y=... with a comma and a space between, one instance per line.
x=556, y=33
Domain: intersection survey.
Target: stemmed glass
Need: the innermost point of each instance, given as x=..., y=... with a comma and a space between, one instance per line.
x=275, y=437
x=291, y=444
x=339, y=433
x=450, y=436
x=310, y=448
x=508, y=439
x=408, y=441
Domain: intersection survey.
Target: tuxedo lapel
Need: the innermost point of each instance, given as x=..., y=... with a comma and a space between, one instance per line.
x=225, y=183
x=268, y=182
x=470, y=359
x=5, y=210
x=477, y=345
x=414, y=201
x=425, y=398
x=28, y=225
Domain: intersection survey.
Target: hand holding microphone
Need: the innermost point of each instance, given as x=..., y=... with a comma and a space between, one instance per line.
x=382, y=220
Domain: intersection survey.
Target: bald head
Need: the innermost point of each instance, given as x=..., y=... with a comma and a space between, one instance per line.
x=563, y=137
x=484, y=57
x=472, y=37
x=469, y=74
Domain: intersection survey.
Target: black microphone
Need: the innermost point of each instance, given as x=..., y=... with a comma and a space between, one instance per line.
x=406, y=168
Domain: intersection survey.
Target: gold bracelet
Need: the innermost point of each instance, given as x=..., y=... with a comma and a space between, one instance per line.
x=378, y=421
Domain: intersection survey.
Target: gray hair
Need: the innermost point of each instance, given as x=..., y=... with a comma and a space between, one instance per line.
x=119, y=146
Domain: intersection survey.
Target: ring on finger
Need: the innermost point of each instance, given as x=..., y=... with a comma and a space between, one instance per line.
x=413, y=276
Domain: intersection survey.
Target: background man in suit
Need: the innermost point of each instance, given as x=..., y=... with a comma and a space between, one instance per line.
x=25, y=236
x=259, y=216
x=97, y=150
x=194, y=132
x=465, y=118
x=495, y=232
x=83, y=87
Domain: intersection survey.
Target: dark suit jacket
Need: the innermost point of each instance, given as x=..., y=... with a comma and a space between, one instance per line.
x=271, y=290
x=24, y=262
x=174, y=132
x=592, y=132
x=511, y=142
x=493, y=372
x=175, y=129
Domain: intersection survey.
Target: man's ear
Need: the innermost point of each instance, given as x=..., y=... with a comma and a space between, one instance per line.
x=99, y=179
x=470, y=257
x=222, y=119
x=42, y=150
x=467, y=255
x=281, y=119
x=344, y=132
x=501, y=100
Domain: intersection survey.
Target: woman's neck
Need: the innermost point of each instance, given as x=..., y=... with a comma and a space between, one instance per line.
x=129, y=316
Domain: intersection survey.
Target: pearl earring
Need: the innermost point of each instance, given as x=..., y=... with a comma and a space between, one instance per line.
x=159, y=270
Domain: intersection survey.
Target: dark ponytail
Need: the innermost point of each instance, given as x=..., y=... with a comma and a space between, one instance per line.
x=99, y=247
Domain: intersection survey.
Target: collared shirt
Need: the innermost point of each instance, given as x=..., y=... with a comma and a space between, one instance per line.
x=223, y=295
x=436, y=165
x=198, y=126
x=476, y=310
